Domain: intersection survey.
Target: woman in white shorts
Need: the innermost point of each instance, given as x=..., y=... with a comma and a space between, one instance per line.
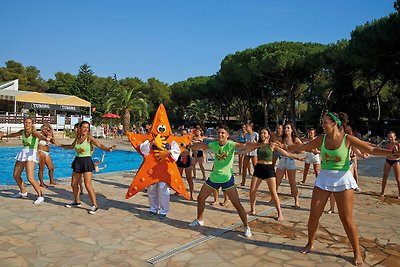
x=312, y=157
x=27, y=159
x=289, y=137
x=336, y=178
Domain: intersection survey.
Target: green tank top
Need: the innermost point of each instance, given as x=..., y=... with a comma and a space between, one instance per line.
x=337, y=159
x=84, y=149
x=29, y=142
x=264, y=153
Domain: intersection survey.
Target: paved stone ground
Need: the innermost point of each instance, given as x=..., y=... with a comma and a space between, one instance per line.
x=121, y=234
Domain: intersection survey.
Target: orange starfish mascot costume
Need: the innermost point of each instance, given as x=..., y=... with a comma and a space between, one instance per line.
x=158, y=165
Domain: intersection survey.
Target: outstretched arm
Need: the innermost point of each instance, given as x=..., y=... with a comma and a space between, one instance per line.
x=19, y=133
x=198, y=146
x=100, y=145
x=285, y=153
x=367, y=148
x=41, y=136
x=316, y=143
x=249, y=146
x=71, y=146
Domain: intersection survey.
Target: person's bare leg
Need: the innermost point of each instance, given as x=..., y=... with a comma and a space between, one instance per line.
x=87, y=176
x=194, y=160
x=318, y=202
x=246, y=162
x=386, y=170
x=317, y=168
x=201, y=165
x=345, y=202
x=355, y=169
x=305, y=172
x=234, y=197
x=255, y=183
x=293, y=187
x=396, y=169
x=240, y=164
x=18, y=169
x=50, y=167
x=30, y=174
x=205, y=191
x=76, y=180
x=188, y=173
x=42, y=164
x=215, y=196
x=331, y=204
x=226, y=198
x=279, y=175
x=253, y=162
x=271, y=182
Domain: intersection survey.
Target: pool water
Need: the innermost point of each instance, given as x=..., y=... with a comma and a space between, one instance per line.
x=118, y=160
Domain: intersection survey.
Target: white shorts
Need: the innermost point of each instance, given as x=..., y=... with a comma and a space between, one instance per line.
x=286, y=164
x=335, y=181
x=252, y=153
x=312, y=158
x=27, y=154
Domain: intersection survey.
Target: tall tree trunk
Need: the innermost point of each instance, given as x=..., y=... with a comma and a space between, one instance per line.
x=265, y=107
x=292, y=104
x=127, y=120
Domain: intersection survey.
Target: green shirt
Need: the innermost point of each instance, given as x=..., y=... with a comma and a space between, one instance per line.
x=223, y=163
x=264, y=153
x=84, y=149
x=29, y=142
x=337, y=159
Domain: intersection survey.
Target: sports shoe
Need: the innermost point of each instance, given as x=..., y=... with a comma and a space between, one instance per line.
x=20, y=195
x=358, y=190
x=38, y=201
x=247, y=232
x=93, y=210
x=163, y=216
x=73, y=204
x=196, y=223
x=151, y=214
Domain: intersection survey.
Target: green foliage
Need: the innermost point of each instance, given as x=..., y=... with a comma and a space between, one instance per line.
x=127, y=102
x=271, y=82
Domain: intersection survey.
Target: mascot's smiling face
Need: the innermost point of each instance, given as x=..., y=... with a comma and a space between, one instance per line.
x=160, y=125
x=161, y=128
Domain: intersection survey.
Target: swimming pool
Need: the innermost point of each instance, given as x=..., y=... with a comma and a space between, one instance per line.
x=118, y=160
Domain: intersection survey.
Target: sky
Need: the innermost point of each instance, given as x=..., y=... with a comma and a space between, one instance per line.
x=168, y=40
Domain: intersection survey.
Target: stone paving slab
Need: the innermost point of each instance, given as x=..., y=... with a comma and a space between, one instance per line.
x=121, y=234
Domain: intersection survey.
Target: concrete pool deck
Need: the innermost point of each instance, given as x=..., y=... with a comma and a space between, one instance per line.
x=121, y=233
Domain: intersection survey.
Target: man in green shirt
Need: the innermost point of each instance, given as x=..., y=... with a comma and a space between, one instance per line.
x=222, y=174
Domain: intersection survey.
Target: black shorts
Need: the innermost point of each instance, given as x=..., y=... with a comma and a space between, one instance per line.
x=199, y=153
x=181, y=162
x=82, y=164
x=264, y=171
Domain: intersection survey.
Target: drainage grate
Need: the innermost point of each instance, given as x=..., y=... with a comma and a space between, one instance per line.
x=209, y=236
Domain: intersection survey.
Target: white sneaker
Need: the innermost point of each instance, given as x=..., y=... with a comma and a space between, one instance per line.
x=20, y=195
x=196, y=223
x=38, y=201
x=93, y=210
x=247, y=232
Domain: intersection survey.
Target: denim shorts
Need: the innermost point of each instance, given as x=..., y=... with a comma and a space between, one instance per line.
x=286, y=164
x=225, y=186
